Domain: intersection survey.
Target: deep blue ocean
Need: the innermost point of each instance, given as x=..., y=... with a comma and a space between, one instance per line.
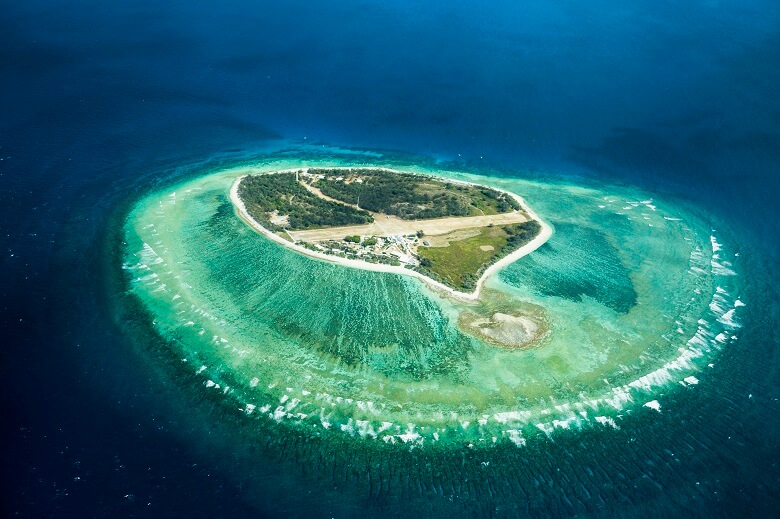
x=102, y=101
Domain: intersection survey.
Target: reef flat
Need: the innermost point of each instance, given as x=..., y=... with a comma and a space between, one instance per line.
x=630, y=297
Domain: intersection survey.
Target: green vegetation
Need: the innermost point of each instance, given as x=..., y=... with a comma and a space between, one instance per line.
x=368, y=242
x=308, y=245
x=410, y=196
x=462, y=262
x=278, y=201
x=340, y=249
x=279, y=198
x=352, y=239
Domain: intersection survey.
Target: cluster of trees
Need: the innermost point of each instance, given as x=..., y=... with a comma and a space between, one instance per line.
x=384, y=260
x=372, y=240
x=264, y=194
x=409, y=196
x=501, y=202
x=520, y=234
x=392, y=193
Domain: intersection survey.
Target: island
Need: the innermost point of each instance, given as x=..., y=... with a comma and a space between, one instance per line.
x=302, y=345
x=451, y=234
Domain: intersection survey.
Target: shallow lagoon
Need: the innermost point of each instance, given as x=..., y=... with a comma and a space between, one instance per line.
x=637, y=295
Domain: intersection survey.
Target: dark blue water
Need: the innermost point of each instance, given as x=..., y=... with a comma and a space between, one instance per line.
x=100, y=101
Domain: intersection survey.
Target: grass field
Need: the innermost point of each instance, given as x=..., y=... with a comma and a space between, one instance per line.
x=461, y=263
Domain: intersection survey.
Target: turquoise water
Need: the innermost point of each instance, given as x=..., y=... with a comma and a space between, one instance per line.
x=638, y=296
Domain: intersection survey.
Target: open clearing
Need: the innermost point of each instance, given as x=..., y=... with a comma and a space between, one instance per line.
x=385, y=225
x=463, y=259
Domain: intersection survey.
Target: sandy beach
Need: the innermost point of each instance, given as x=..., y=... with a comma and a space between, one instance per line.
x=538, y=241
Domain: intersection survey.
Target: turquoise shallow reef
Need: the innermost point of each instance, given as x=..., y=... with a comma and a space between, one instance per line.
x=638, y=296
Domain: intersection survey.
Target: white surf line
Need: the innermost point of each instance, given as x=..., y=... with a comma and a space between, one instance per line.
x=540, y=239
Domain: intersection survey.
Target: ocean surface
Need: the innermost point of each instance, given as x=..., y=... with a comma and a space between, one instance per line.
x=647, y=133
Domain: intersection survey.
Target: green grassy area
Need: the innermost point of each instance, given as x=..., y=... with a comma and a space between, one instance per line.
x=462, y=262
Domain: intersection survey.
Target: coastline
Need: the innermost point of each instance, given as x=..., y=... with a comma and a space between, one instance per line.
x=539, y=240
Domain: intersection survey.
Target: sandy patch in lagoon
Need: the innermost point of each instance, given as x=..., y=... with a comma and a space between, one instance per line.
x=509, y=331
x=508, y=324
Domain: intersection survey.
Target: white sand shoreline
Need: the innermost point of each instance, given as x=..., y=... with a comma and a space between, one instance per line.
x=538, y=241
